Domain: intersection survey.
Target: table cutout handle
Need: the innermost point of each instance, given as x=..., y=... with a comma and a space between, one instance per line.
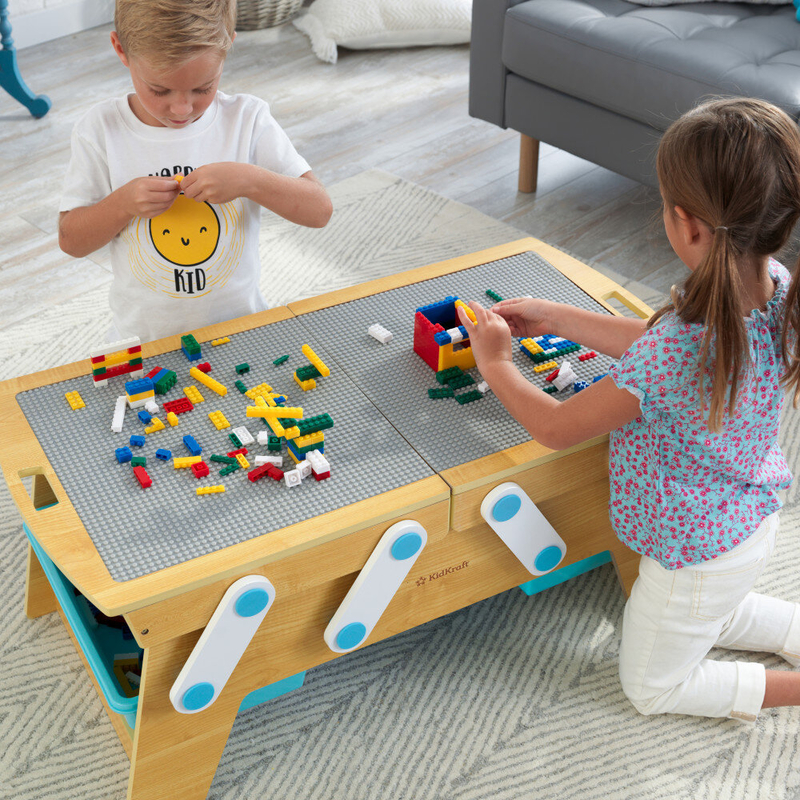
x=629, y=301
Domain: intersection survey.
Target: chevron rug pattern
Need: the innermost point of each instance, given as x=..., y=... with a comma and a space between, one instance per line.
x=515, y=697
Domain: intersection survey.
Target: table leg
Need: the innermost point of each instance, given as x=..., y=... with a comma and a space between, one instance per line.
x=175, y=755
x=39, y=597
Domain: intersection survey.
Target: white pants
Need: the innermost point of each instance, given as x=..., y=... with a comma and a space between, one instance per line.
x=674, y=617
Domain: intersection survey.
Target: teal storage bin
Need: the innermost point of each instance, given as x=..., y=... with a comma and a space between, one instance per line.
x=100, y=643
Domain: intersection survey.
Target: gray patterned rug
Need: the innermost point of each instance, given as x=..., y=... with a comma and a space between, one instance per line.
x=514, y=697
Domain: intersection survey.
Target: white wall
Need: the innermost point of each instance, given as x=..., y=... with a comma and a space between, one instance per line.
x=36, y=21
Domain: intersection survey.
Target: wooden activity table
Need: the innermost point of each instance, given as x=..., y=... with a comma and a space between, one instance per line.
x=313, y=562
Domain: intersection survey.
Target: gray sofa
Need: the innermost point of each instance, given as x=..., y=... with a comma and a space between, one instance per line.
x=604, y=78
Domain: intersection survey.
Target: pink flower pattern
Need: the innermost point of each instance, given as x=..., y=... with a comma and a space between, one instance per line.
x=679, y=493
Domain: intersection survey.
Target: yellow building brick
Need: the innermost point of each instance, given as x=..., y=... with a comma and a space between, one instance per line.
x=75, y=400
x=193, y=393
x=218, y=418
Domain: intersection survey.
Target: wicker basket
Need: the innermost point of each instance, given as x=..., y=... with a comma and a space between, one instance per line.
x=254, y=14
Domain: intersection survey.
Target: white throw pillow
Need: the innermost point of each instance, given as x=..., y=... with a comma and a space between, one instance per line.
x=371, y=24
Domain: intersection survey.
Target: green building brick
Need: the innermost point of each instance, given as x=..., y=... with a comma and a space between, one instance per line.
x=320, y=422
x=446, y=375
x=139, y=461
x=496, y=297
x=224, y=459
x=242, y=368
x=438, y=394
x=274, y=443
x=282, y=360
x=165, y=383
x=460, y=381
x=307, y=373
x=190, y=343
x=235, y=440
x=228, y=470
x=240, y=386
x=468, y=397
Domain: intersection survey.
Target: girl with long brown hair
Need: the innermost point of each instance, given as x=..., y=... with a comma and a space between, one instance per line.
x=693, y=406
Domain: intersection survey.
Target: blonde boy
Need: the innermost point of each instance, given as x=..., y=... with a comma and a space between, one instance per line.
x=175, y=174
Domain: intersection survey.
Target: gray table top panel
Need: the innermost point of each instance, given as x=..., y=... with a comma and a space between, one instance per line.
x=397, y=380
x=138, y=531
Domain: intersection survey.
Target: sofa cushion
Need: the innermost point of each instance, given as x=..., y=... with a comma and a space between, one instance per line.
x=652, y=64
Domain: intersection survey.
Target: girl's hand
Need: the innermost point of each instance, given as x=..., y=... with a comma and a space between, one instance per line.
x=527, y=316
x=490, y=339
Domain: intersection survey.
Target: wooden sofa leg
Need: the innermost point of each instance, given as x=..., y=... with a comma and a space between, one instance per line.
x=528, y=163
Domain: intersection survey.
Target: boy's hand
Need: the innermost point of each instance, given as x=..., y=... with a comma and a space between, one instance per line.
x=149, y=197
x=526, y=316
x=217, y=183
x=490, y=339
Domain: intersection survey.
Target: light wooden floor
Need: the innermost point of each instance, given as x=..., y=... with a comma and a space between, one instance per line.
x=404, y=111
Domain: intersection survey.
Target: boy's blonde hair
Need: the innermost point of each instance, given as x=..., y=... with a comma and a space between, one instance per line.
x=170, y=32
x=734, y=164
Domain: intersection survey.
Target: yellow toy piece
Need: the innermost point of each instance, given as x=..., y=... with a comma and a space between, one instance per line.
x=470, y=313
x=543, y=367
x=531, y=346
x=156, y=425
x=310, y=438
x=193, y=393
x=75, y=400
x=218, y=418
x=210, y=489
x=315, y=360
x=217, y=342
x=261, y=409
x=271, y=415
x=306, y=386
x=184, y=463
x=172, y=418
x=209, y=383
x=262, y=390
x=243, y=462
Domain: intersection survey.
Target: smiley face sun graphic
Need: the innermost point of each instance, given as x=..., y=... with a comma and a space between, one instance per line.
x=187, y=233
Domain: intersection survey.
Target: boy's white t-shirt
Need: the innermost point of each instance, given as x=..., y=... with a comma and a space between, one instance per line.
x=197, y=263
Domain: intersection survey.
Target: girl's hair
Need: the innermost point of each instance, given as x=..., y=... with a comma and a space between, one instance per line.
x=170, y=32
x=734, y=164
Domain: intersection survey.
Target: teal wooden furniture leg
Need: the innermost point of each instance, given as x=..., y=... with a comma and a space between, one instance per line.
x=10, y=79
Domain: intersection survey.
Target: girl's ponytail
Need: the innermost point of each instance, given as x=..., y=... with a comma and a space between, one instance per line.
x=734, y=165
x=714, y=295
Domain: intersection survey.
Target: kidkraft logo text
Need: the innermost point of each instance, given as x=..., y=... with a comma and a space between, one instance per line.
x=421, y=581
